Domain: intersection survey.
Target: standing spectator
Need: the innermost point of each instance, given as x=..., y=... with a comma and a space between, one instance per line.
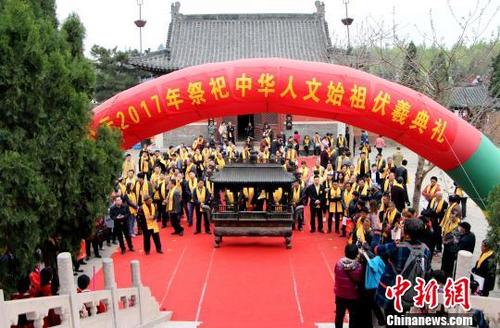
x=431, y=189
x=486, y=267
x=230, y=133
x=306, y=144
x=398, y=254
x=467, y=239
x=316, y=194
x=223, y=132
x=435, y=211
x=147, y=213
x=380, y=144
x=212, y=128
x=450, y=240
x=174, y=207
x=397, y=157
x=398, y=194
x=201, y=198
x=120, y=213
x=296, y=138
x=348, y=276
x=364, y=138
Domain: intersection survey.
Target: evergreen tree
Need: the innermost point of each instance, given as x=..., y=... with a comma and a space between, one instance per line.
x=113, y=72
x=410, y=71
x=55, y=179
x=494, y=87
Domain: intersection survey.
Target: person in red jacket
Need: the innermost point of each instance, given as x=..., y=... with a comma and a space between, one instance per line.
x=348, y=275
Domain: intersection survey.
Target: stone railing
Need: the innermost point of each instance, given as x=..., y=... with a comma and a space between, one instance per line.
x=124, y=307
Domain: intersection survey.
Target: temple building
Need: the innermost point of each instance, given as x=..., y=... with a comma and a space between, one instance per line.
x=199, y=39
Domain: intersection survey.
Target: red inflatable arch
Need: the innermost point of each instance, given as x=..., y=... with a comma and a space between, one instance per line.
x=312, y=89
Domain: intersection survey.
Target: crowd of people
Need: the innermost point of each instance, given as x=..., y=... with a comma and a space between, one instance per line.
x=362, y=198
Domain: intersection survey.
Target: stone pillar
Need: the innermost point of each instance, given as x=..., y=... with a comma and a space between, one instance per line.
x=463, y=264
x=4, y=322
x=110, y=284
x=109, y=274
x=67, y=286
x=135, y=271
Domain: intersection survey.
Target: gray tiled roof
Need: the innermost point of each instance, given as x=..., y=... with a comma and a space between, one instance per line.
x=200, y=39
x=253, y=174
x=470, y=96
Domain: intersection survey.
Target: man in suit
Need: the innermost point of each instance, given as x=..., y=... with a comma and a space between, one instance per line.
x=398, y=194
x=201, y=197
x=296, y=199
x=174, y=207
x=316, y=194
x=402, y=172
x=375, y=176
x=148, y=215
x=436, y=210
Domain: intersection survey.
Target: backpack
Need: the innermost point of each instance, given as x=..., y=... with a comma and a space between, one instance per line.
x=413, y=268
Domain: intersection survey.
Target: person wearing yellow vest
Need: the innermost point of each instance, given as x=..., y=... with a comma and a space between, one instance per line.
x=435, y=211
x=142, y=188
x=245, y=154
x=130, y=177
x=306, y=144
x=201, y=198
x=459, y=192
x=120, y=213
x=389, y=220
x=336, y=207
x=362, y=189
x=451, y=236
x=219, y=161
x=363, y=165
x=341, y=142
x=317, y=143
x=296, y=200
x=147, y=213
x=127, y=165
x=486, y=267
x=160, y=196
x=304, y=171
x=145, y=164
x=192, y=182
x=131, y=199
x=121, y=186
x=291, y=153
x=173, y=205
x=431, y=189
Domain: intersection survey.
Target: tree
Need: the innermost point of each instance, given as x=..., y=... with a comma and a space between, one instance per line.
x=493, y=210
x=55, y=178
x=410, y=71
x=494, y=87
x=113, y=72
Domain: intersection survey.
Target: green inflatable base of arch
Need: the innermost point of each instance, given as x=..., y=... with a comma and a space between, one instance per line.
x=483, y=168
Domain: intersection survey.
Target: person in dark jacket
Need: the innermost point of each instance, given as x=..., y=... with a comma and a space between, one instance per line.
x=120, y=214
x=398, y=194
x=486, y=267
x=402, y=171
x=316, y=194
x=348, y=275
x=467, y=239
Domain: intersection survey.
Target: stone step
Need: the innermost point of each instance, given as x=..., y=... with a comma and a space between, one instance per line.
x=178, y=324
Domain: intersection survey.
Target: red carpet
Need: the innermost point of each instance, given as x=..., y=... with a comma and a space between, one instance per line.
x=248, y=282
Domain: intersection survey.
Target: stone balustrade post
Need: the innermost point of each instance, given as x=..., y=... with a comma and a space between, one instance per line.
x=3, y=311
x=67, y=286
x=135, y=271
x=463, y=264
x=110, y=284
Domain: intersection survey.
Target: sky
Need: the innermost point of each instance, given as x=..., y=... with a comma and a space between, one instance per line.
x=110, y=23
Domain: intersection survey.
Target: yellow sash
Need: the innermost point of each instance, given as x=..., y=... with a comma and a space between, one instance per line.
x=439, y=205
x=296, y=195
x=170, y=206
x=122, y=187
x=445, y=223
x=133, y=198
x=201, y=195
x=150, y=218
x=335, y=206
x=390, y=216
x=210, y=186
x=483, y=257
